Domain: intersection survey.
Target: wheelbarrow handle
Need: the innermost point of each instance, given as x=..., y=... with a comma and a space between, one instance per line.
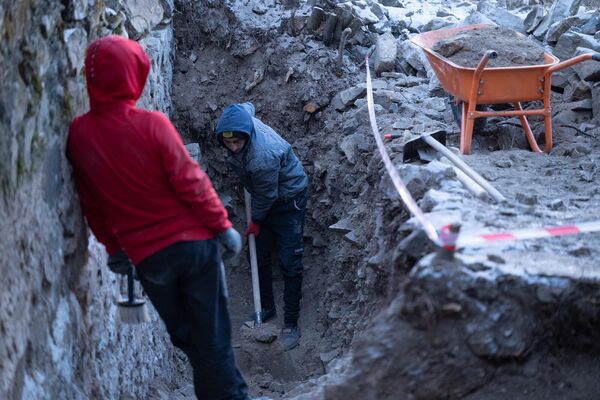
x=571, y=61
x=488, y=55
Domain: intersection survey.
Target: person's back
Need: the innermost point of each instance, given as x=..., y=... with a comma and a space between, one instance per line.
x=134, y=164
x=146, y=199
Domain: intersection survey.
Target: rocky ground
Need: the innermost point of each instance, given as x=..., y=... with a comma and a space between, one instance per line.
x=381, y=316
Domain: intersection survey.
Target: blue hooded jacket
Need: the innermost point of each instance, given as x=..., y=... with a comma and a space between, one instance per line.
x=267, y=166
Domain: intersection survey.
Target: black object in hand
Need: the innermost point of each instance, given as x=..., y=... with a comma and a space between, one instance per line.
x=119, y=263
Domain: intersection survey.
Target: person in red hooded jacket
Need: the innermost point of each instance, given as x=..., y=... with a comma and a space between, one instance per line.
x=147, y=201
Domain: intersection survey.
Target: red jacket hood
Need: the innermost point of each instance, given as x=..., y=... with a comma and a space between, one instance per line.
x=116, y=70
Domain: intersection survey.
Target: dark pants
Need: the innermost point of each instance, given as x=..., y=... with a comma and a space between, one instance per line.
x=284, y=226
x=185, y=286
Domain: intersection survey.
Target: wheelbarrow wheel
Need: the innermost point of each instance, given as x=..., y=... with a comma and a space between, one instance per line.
x=457, y=114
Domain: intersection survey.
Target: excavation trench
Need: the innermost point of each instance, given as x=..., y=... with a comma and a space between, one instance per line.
x=489, y=322
x=218, y=63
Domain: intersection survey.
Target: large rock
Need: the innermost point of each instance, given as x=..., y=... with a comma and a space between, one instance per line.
x=343, y=226
x=380, y=11
x=412, y=55
x=501, y=17
x=392, y=3
x=385, y=53
x=562, y=26
x=438, y=23
x=76, y=41
x=576, y=90
x=587, y=70
x=143, y=16
x=563, y=78
x=474, y=318
x=570, y=41
x=596, y=103
x=346, y=98
x=353, y=145
x=386, y=98
x=477, y=18
x=362, y=12
x=560, y=10
x=592, y=25
x=533, y=19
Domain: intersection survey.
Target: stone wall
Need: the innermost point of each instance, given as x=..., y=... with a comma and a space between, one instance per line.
x=59, y=332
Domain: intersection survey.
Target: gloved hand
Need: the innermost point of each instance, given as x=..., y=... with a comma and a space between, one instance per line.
x=119, y=263
x=231, y=241
x=253, y=229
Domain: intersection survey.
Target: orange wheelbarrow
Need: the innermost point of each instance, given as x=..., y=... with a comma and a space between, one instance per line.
x=480, y=85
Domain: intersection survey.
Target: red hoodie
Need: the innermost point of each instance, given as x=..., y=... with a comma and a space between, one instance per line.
x=139, y=189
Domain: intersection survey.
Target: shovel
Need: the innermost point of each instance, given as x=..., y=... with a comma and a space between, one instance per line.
x=419, y=148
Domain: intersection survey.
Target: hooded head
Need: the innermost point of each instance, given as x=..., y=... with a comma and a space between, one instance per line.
x=116, y=70
x=235, y=122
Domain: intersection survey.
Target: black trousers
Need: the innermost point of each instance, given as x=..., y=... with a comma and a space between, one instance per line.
x=284, y=227
x=185, y=286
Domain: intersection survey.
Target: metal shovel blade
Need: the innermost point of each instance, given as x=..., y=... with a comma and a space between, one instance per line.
x=414, y=148
x=427, y=155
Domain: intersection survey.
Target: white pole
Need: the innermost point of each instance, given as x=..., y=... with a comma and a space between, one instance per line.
x=253, y=262
x=470, y=172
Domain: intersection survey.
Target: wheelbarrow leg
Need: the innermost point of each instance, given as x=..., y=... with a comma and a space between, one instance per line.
x=466, y=131
x=548, y=133
x=547, y=113
x=471, y=106
x=463, y=128
x=530, y=138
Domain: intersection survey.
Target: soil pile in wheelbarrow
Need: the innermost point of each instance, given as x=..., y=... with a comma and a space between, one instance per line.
x=467, y=48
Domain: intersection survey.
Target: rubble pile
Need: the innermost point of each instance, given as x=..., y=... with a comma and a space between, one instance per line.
x=513, y=49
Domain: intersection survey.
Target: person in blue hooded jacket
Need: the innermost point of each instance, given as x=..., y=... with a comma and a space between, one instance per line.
x=271, y=172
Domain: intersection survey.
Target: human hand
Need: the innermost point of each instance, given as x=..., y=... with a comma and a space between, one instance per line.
x=119, y=263
x=231, y=241
x=253, y=229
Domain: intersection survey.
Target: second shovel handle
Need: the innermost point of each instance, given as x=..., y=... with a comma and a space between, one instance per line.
x=253, y=260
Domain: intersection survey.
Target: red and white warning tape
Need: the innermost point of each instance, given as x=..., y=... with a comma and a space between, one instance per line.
x=485, y=239
x=408, y=200
x=447, y=238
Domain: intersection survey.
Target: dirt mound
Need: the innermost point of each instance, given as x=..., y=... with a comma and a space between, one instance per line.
x=514, y=49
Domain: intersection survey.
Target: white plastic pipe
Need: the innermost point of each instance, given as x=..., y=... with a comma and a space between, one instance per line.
x=253, y=261
x=467, y=182
x=496, y=195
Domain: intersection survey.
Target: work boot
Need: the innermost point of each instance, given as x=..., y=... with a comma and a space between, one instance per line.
x=290, y=337
x=265, y=315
